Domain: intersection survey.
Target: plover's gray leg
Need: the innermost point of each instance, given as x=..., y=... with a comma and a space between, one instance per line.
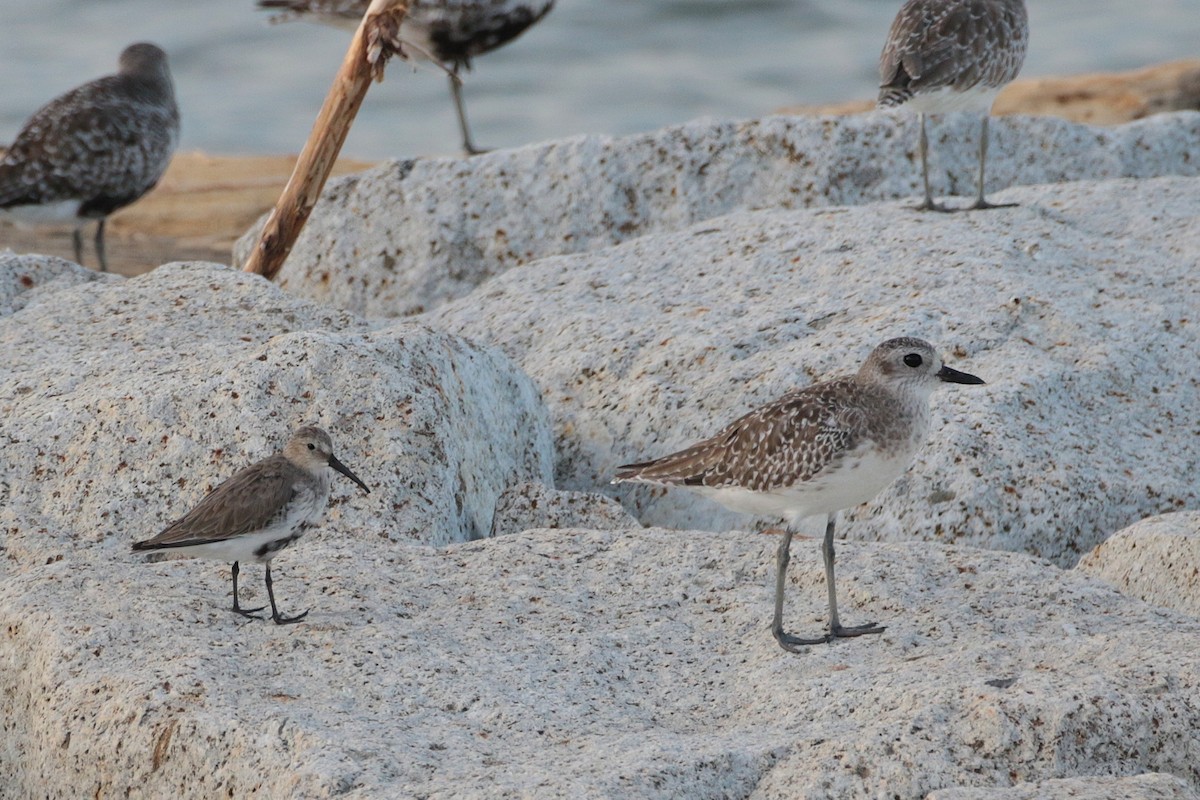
x=786, y=640
x=980, y=202
x=275, y=615
x=100, y=245
x=77, y=240
x=456, y=92
x=237, y=608
x=835, y=626
x=923, y=144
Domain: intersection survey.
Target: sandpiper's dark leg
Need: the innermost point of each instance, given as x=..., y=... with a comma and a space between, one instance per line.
x=279, y=620
x=237, y=609
x=77, y=240
x=923, y=143
x=100, y=245
x=786, y=640
x=456, y=92
x=835, y=625
x=980, y=202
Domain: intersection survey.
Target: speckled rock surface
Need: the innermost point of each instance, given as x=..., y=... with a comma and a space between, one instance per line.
x=524, y=506
x=1156, y=560
x=1151, y=786
x=123, y=402
x=1078, y=307
x=407, y=236
x=576, y=664
x=23, y=278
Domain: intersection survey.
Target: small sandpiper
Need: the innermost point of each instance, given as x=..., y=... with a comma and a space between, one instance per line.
x=95, y=149
x=448, y=32
x=259, y=511
x=815, y=450
x=952, y=55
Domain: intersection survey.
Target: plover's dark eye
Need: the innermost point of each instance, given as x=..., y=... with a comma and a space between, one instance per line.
x=312, y=446
x=913, y=360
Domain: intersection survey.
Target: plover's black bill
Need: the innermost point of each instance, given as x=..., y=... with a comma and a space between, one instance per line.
x=342, y=468
x=954, y=376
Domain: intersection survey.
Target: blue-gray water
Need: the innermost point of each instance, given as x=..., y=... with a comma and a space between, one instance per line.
x=591, y=66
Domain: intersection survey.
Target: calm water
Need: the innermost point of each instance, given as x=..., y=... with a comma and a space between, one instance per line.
x=591, y=66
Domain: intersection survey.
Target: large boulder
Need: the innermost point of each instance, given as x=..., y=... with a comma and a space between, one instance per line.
x=406, y=236
x=577, y=663
x=122, y=402
x=1156, y=560
x=1078, y=307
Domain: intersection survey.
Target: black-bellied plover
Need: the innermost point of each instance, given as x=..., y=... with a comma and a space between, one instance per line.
x=952, y=55
x=448, y=32
x=259, y=511
x=815, y=450
x=95, y=149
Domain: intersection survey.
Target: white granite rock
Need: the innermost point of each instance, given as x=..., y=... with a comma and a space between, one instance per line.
x=576, y=664
x=123, y=402
x=1078, y=307
x=407, y=236
x=525, y=506
x=1156, y=560
x=23, y=278
x=1150, y=786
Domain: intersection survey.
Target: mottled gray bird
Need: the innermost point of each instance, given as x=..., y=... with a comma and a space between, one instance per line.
x=447, y=32
x=259, y=511
x=95, y=149
x=943, y=56
x=815, y=450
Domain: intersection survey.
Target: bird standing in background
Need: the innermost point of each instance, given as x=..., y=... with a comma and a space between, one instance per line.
x=259, y=511
x=95, y=149
x=952, y=55
x=447, y=32
x=815, y=450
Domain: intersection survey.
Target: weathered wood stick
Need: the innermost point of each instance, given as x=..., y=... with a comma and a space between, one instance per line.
x=376, y=40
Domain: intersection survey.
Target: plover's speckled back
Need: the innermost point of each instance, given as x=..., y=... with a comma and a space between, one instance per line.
x=450, y=32
x=815, y=450
x=259, y=511
x=952, y=55
x=95, y=149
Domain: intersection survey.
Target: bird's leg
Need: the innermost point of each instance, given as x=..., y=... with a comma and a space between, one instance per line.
x=77, y=240
x=456, y=92
x=275, y=615
x=786, y=640
x=237, y=609
x=980, y=202
x=100, y=245
x=835, y=625
x=923, y=144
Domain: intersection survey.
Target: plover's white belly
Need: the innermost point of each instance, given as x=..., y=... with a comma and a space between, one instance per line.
x=858, y=477
x=977, y=99
x=63, y=211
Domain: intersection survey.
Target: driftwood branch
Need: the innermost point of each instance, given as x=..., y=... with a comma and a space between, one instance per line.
x=376, y=40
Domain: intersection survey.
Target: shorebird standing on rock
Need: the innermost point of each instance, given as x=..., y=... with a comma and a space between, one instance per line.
x=952, y=55
x=448, y=32
x=259, y=511
x=95, y=149
x=815, y=450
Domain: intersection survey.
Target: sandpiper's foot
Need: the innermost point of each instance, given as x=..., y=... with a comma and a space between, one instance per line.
x=793, y=644
x=282, y=620
x=247, y=612
x=930, y=205
x=843, y=632
x=981, y=205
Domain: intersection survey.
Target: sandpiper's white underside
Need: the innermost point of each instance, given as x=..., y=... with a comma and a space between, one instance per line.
x=304, y=510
